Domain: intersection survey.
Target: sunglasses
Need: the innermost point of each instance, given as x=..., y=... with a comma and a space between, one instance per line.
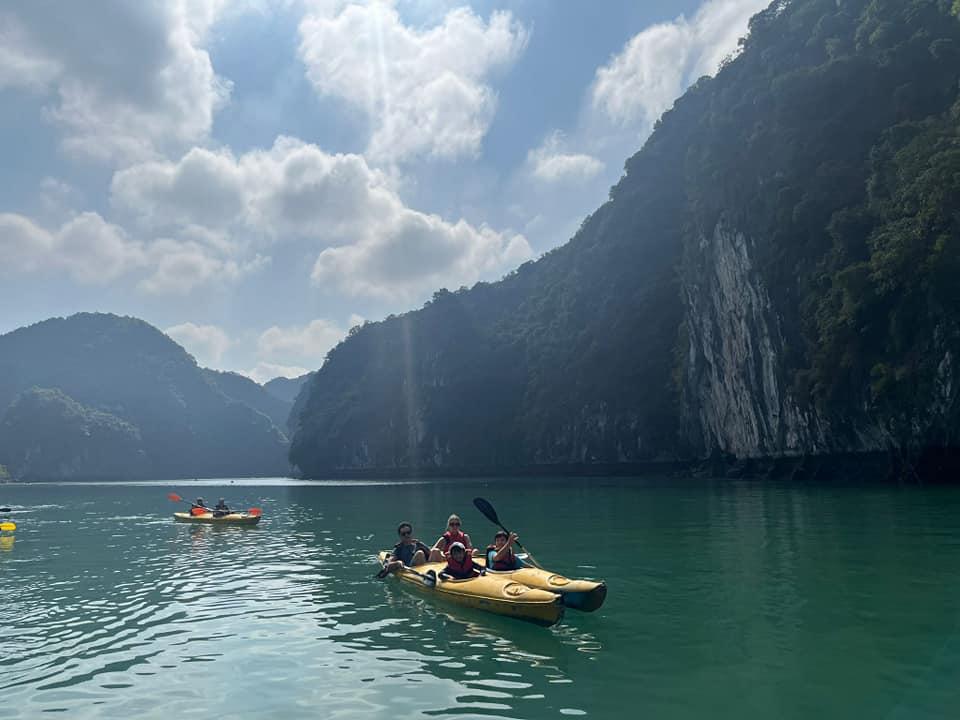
x=406, y=533
x=454, y=524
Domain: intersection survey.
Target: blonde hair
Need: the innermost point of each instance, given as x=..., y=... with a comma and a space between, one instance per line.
x=452, y=518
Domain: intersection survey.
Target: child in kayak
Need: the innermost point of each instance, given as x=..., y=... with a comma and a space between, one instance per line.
x=459, y=564
x=221, y=508
x=409, y=551
x=500, y=555
x=451, y=536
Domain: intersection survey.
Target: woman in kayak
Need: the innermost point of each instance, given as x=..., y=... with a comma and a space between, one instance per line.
x=451, y=536
x=409, y=551
x=198, y=508
x=500, y=555
x=459, y=564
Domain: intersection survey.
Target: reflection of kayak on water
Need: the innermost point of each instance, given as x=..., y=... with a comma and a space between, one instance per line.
x=489, y=592
x=6, y=542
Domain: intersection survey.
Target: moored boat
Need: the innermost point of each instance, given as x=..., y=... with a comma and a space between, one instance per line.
x=491, y=592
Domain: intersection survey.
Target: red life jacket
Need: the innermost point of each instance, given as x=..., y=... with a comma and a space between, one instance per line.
x=459, y=537
x=462, y=569
x=507, y=563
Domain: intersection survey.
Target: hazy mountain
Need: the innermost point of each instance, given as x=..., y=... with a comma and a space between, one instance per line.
x=243, y=389
x=117, y=384
x=286, y=389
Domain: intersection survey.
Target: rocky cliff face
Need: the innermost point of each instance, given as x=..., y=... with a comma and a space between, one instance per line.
x=736, y=398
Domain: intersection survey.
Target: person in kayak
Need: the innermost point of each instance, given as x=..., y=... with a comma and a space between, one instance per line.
x=409, y=551
x=500, y=555
x=221, y=508
x=198, y=507
x=451, y=536
x=459, y=564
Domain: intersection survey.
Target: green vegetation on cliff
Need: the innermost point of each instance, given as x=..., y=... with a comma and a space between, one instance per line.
x=45, y=435
x=116, y=385
x=776, y=273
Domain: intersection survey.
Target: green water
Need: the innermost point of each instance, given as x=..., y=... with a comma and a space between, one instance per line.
x=727, y=600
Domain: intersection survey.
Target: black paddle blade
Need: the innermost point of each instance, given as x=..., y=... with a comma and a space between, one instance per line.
x=5, y=510
x=487, y=509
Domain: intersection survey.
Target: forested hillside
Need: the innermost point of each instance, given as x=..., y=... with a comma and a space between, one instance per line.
x=102, y=396
x=776, y=274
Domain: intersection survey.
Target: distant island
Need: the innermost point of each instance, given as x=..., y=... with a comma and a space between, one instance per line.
x=97, y=396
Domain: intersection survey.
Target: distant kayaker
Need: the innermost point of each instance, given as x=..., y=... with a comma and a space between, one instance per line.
x=451, y=536
x=459, y=563
x=221, y=508
x=500, y=555
x=409, y=551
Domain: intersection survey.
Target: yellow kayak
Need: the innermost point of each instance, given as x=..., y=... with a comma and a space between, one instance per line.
x=492, y=592
x=231, y=519
x=585, y=595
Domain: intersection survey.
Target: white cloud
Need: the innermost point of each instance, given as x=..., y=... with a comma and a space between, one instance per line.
x=262, y=372
x=129, y=79
x=179, y=267
x=22, y=66
x=369, y=242
x=88, y=247
x=306, y=345
x=96, y=252
x=425, y=91
x=23, y=245
x=207, y=343
x=551, y=163
x=657, y=65
x=204, y=188
x=418, y=253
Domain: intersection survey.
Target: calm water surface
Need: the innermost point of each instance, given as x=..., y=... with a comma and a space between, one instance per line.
x=727, y=600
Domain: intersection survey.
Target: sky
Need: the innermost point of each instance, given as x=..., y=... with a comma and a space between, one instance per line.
x=256, y=177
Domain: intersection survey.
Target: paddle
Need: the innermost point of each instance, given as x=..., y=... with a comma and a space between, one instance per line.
x=11, y=526
x=430, y=579
x=487, y=509
x=5, y=510
x=257, y=512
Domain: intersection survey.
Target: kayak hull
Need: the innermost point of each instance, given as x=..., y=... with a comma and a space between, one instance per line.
x=489, y=593
x=583, y=595
x=209, y=519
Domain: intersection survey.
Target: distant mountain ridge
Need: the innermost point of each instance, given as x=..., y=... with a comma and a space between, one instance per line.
x=243, y=389
x=287, y=389
x=105, y=384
